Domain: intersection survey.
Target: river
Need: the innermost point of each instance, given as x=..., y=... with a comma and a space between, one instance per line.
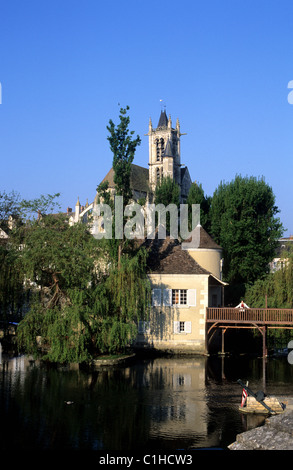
x=158, y=404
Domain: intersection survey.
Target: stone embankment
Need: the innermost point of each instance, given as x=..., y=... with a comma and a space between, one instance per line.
x=275, y=434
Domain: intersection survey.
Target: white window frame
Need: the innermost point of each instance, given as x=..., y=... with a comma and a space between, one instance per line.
x=190, y=297
x=165, y=298
x=182, y=295
x=182, y=327
x=156, y=297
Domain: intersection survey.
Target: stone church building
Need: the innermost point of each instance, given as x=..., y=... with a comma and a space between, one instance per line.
x=164, y=160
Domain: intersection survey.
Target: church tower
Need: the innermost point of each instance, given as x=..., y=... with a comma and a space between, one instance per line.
x=164, y=151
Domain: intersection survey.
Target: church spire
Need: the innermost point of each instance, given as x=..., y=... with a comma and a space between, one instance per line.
x=163, y=121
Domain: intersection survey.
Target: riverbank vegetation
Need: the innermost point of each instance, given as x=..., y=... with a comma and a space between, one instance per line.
x=76, y=297
x=86, y=296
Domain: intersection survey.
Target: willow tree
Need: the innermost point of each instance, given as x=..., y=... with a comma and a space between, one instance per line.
x=276, y=289
x=123, y=299
x=12, y=294
x=58, y=262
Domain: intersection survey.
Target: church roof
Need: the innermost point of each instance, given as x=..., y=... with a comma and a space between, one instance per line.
x=168, y=150
x=139, y=178
x=163, y=121
x=167, y=257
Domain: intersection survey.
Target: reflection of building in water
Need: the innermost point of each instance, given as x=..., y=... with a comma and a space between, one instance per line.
x=15, y=367
x=179, y=407
x=14, y=364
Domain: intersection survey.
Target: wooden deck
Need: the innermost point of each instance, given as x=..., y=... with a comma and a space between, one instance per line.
x=260, y=318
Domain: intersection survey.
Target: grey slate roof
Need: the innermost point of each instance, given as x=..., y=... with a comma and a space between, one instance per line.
x=168, y=150
x=163, y=121
x=139, y=178
x=205, y=240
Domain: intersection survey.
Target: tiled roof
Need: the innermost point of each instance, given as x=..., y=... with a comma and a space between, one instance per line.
x=167, y=257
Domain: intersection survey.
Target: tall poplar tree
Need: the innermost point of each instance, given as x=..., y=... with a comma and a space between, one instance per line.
x=123, y=146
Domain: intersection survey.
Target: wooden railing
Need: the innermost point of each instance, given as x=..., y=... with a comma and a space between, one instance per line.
x=281, y=316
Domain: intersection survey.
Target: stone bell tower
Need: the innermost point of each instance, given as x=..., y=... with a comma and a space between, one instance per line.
x=164, y=151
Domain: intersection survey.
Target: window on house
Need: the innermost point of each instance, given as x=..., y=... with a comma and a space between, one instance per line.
x=182, y=327
x=173, y=297
x=156, y=297
x=179, y=296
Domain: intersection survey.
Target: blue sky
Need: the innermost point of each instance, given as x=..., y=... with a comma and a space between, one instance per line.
x=221, y=67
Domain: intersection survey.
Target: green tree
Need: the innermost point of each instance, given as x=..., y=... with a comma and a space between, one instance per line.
x=12, y=295
x=9, y=208
x=276, y=289
x=123, y=147
x=244, y=223
x=124, y=299
x=196, y=195
x=167, y=192
x=58, y=262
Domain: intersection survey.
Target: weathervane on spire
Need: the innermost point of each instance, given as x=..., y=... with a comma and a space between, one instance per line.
x=162, y=105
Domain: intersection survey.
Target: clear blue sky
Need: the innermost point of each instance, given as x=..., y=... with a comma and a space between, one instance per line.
x=221, y=67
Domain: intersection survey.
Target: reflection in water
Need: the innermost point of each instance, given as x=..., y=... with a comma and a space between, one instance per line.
x=153, y=404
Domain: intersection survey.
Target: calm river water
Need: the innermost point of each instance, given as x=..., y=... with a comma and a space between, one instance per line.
x=161, y=404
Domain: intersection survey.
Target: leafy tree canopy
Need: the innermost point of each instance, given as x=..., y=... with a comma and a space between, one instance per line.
x=167, y=192
x=9, y=207
x=276, y=289
x=196, y=195
x=123, y=147
x=244, y=223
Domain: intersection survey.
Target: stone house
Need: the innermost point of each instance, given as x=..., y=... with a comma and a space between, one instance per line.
x=184, y=283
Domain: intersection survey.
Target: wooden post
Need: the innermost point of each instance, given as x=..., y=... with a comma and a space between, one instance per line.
x=264, y=342
x=223, y=342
